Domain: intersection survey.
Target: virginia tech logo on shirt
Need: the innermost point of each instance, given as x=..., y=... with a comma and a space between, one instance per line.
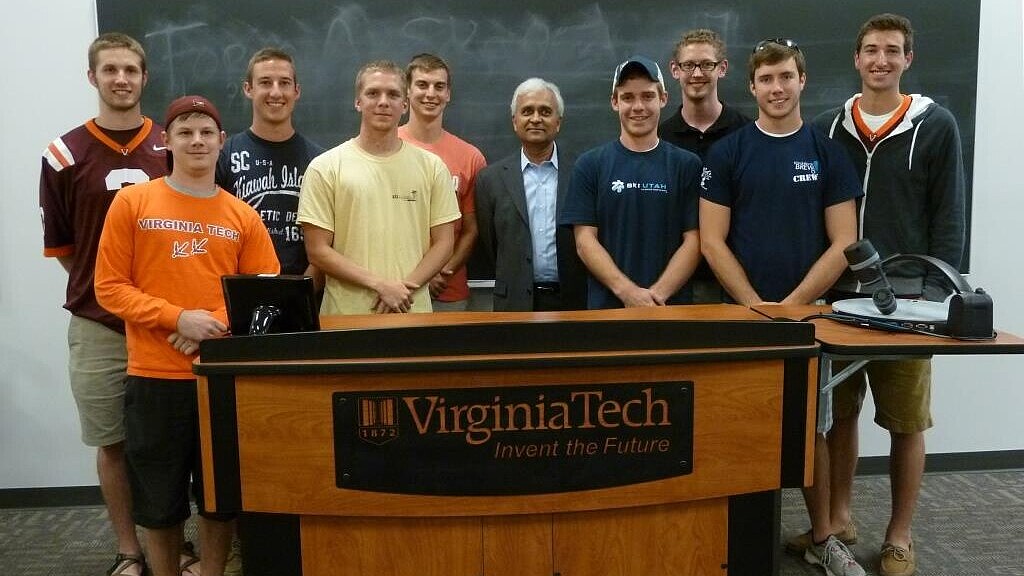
x=187, y=247
x=195, y=247
x=806, y=171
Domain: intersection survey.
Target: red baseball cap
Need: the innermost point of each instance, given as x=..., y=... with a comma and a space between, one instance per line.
x=189, y=104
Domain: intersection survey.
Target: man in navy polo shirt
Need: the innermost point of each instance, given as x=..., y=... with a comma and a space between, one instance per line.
x=699, y=63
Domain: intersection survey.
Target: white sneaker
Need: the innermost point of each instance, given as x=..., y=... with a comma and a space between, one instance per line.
x=834, y=557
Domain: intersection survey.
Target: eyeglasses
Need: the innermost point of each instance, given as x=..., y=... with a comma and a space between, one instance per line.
x=705, y=66
x=785, y=42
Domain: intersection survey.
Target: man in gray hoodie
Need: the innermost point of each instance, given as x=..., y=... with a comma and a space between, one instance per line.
x=907, y=149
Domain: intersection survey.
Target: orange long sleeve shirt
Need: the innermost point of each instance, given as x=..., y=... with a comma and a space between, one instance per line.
x=162, y=252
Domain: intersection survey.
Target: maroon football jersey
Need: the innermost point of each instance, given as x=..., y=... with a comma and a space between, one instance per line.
x=81, y=172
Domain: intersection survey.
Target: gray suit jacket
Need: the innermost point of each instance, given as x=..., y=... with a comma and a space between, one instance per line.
x=505, y=236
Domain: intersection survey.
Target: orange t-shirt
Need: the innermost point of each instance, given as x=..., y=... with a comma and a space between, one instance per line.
x=464, y=161
x=162, y=252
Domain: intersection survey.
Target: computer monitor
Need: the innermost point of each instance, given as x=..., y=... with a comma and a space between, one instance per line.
x=270, y=303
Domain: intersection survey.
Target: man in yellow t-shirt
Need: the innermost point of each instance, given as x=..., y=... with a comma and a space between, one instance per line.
x=378, y=214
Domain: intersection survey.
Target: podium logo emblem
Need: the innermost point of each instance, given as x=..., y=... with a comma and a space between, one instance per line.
x=378, y=420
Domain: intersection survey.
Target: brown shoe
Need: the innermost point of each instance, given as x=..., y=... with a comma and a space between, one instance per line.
x=801, y=542
x=897, y=560
x=233, y=565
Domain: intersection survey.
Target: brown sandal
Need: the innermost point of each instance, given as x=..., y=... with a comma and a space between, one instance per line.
x=190, y=559
x=123, y=562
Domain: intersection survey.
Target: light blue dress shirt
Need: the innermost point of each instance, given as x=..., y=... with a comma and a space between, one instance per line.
x=541, y=184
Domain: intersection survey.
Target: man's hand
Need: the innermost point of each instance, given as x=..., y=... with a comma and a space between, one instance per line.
x=394, y=296
x=636, y=297
x=439, y=283
x=184, y=345
x=198, y=325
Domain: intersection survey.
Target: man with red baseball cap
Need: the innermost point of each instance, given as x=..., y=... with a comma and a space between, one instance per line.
x=164, y=247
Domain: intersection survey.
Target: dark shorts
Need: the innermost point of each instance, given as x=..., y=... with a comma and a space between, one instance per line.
x=162, y=451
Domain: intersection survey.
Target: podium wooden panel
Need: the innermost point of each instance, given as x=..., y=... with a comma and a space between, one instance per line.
x=268, y=443
x=339, y=545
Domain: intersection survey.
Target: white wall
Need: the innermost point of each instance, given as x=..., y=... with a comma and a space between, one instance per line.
x=976, y=400
x=44, y=79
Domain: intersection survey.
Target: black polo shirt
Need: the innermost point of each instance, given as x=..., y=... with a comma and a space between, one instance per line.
x=678, y=132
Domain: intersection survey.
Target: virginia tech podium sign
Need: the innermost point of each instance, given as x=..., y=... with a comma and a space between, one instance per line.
x=517, y=440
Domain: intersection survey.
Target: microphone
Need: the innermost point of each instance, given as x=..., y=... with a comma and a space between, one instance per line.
x=262, y=317
x=867, y=268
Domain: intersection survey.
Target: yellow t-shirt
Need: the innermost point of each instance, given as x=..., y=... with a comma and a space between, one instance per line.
x=381, y=210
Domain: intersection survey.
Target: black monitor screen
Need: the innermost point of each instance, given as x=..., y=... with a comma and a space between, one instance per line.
x=270, y=304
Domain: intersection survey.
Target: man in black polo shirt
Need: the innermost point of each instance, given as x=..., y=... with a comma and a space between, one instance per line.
x=698, y=63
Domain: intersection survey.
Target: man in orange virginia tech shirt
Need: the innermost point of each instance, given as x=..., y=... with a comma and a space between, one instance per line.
x=164, y=247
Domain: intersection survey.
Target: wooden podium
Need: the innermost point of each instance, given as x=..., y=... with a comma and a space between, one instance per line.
x=647, y=442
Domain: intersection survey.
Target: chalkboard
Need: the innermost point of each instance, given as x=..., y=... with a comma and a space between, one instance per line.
x=203, y=47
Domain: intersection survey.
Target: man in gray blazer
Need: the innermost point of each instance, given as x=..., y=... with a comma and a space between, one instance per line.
x=536, y=267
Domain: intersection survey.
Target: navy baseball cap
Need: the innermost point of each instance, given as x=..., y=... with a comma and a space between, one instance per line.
x=650, y=69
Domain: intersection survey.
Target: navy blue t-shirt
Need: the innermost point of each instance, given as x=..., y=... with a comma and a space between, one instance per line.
x=777, y=188
x=641, y=203
x=268, y=175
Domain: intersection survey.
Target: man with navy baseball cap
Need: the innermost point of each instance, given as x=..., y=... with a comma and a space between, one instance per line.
x=632, y=202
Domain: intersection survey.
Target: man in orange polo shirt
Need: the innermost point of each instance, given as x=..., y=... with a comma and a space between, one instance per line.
x=429, y=83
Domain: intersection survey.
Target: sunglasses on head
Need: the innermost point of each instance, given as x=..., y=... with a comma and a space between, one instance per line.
x=785, y=42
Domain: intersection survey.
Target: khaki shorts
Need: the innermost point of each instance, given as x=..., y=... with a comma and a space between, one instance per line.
x=902, y=390
x=97, y=361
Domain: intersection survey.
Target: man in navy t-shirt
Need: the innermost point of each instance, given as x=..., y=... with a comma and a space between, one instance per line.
x=777, y=204
x=265, y=164
x=633, y=202
x=777, y=209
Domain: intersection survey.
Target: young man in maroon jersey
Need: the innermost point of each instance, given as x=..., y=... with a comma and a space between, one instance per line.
x=81, y=172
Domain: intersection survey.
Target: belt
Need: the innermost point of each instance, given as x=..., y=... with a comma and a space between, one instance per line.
x=546, y=287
